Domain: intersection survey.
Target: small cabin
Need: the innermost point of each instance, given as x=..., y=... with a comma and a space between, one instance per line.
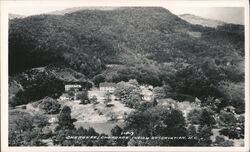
x=53, y=120
x=65, y=97
x=229, y=109
x=147, y=95
x=107, y=87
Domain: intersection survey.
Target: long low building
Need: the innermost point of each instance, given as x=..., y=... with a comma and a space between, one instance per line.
x=107, y=86
x=72, y=86
x=99, y=94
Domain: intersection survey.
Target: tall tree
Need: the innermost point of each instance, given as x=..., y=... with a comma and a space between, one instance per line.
x=107, y=98
x=207, y=117
x=64, y=119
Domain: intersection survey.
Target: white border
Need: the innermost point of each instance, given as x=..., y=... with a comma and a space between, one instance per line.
x=112, y=3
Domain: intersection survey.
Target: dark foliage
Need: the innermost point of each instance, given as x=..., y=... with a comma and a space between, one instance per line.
x=50, y=106
x=37, y=86
x=64, y=120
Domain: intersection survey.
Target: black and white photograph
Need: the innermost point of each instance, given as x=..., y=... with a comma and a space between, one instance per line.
x=126, y=76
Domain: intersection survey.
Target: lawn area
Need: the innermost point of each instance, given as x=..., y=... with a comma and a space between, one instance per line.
x=104, y=127
x=101, y=117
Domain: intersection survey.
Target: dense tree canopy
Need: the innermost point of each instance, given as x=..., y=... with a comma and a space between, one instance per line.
x=128, y=94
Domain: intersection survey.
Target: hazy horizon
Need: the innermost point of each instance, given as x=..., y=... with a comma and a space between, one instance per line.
x=233, y=15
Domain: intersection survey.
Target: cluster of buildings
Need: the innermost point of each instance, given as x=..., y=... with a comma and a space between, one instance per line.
x=107, y=87
x=104, y=88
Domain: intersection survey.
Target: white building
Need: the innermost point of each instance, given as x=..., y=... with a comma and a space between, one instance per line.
x=147, y=95
x=65, y=97
x=107, y=87
x=53, y=120
x=150, y=87
x=100, y=95
x=72, y=86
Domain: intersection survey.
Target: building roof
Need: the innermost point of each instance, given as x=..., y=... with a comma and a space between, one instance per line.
x=146, y=92
x=96, y=93
x=73, y=85
x=230, y=107
x=107, y=84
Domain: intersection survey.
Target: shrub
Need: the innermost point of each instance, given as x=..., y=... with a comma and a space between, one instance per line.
x=49, y=106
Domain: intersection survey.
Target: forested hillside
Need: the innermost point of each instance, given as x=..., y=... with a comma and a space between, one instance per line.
x=122, y=35
x=151, y=45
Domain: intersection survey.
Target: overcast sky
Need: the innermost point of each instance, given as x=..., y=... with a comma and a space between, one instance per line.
x=227, y=14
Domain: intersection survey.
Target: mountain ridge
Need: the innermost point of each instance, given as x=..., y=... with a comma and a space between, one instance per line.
x=194, y=19
x=123, y=36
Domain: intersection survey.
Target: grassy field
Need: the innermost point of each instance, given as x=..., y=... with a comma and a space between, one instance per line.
x=99, y=116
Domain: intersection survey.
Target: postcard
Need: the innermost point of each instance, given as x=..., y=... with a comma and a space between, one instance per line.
x=124, y=76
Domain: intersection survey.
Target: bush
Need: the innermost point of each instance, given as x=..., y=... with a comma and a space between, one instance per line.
x=40, y=121
x=220, y=141
x=83, y=96
x=93, y=100
x=194, y=116
x=116, y=131
x=207, y=117
x=49, y=106
x=109, y=105
x=226, y=118
x=231, y=132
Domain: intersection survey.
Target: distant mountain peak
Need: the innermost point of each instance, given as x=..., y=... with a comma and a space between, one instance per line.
x=76, y=9
x=193, y=19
